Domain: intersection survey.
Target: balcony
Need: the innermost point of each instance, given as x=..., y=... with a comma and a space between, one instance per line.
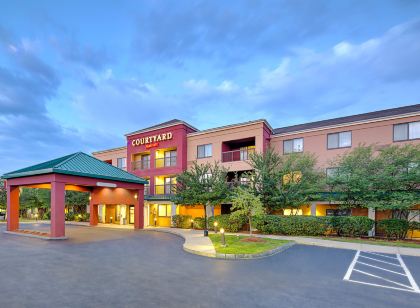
x=140, y=165
x=237, y=155
x=165, y=162
x=166, y=189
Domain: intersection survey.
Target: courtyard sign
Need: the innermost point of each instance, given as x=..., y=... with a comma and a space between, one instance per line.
x=152, y=139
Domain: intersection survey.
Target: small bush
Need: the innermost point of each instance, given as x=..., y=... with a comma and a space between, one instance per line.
x=394, y=228
x=181, y=221
x=351, y=225
x=227, y=222
x=414, y=225
x=199, y=223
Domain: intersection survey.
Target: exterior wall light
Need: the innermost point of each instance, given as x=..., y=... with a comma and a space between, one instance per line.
x=135, y=196
x=192, y=223
x=90, y=197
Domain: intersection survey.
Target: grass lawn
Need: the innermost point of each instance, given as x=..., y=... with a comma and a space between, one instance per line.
x=236, y=246
x=374, y=242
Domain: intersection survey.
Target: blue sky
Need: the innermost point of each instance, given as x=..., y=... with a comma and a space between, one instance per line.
x=77, y=75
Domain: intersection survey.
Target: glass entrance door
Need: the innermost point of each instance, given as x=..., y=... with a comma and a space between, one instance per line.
x=131, y=216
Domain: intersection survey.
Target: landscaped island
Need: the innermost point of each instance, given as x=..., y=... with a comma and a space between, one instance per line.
x=238, y=244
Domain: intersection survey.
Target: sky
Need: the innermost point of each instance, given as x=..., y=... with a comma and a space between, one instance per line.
x=78, y=75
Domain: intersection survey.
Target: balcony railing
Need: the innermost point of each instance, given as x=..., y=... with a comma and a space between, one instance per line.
x=166, y=189
x=237, y=155
x=165, y=162
x=140, y=165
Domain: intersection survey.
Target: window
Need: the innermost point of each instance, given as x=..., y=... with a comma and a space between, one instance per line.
x=245, y=151
x=331, y=172
x=169, y=185
x=339, y=140
x=145, y=161
x=164, y=210
x=293, y=146
x=204, y=150
x=407, y=131
x=292, y=177
x=122, y=162
x=170, y=158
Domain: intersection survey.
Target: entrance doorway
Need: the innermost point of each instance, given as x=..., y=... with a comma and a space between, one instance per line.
x=118, y=214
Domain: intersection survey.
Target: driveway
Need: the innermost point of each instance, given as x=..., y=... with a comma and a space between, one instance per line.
x=100, y=267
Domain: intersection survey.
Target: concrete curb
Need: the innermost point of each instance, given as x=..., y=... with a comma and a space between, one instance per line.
x=45, y=238
x=224, y=256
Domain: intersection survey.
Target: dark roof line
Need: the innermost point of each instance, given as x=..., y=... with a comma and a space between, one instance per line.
x=349, y=119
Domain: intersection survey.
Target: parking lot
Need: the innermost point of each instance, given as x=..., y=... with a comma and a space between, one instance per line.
x=125, y=268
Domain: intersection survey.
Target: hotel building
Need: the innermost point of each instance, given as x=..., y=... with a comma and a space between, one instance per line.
x=160, y=152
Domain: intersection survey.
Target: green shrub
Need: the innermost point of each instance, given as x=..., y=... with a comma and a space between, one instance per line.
x=350, y=225
x=227, y=222
x=313, y=226
x=394, y=228
x=199, y=223
x=292, y=225
x=181, y=221
x=46, y=215
x=70, y=216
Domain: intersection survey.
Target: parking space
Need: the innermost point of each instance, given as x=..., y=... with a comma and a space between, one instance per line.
x=127, y=268
x=381, y=270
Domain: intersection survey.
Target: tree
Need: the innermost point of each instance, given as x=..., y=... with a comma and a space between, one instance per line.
x=387, y=179
x=301, y=180
x=283, y=181
x=3, y=195
x=202, y=185
x=244, y=202
x=34, y=198
x=77, y=201
x=265, y=179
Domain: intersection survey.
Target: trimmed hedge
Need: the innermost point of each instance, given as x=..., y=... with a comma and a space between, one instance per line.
x=313, y=226
x=351, y=225
x=181, y=221
x=199, y=223
x=227, y=222
x=394, y=228
x=292, y=225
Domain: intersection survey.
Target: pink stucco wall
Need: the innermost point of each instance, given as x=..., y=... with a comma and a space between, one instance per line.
x=379, y=133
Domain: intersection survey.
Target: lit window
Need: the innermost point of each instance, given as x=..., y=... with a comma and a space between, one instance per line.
x=145, y=161
x=170, y=158
x=204, y=150
x=407, y=131
x=339, y=140
x=293, y=146
x=293, y=177
x=164, y=210
x=122, y=163
x=292, y=212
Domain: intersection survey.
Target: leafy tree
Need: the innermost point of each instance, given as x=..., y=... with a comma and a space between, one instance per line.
x=3, y=195
x=387, y=179
x=265, y=178
x=77, y=201
x=283, y=181
x=301, y=180
x=202, y=185
x=245, y=203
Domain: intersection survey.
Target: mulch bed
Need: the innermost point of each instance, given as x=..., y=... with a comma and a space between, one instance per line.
x=253, y=239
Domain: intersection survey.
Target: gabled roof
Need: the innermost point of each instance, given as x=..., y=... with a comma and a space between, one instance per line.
x=169, y=123
x=350, y=119
x=78, y=164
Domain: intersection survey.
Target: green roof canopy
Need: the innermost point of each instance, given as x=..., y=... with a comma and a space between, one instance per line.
x=78, y=164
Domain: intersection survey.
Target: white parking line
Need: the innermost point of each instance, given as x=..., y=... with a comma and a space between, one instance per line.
x=412, y=287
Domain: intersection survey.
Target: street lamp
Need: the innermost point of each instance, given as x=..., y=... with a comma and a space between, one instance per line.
x=215, y=226
x=222, y=232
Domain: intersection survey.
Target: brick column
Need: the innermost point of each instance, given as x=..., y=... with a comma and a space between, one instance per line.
x=57, y=209
x=93, y=218
x=139, y=210
x=12, y=208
